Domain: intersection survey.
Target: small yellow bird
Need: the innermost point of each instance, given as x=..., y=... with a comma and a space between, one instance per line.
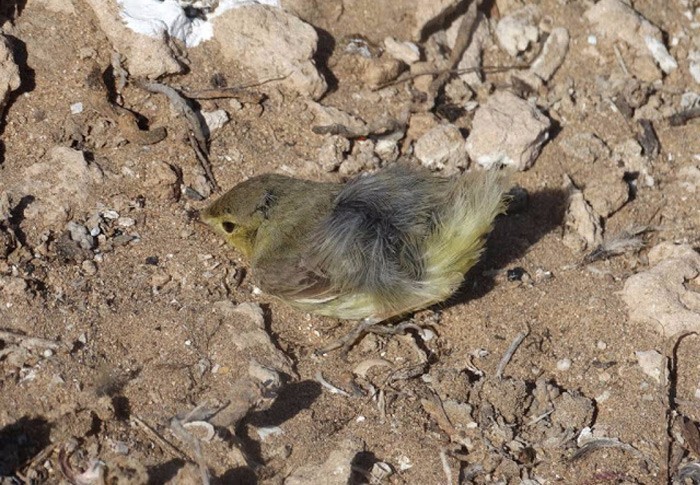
x=381, y=246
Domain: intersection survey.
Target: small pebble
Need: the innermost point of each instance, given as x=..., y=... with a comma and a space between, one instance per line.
x=89, y=267
x=652, y=363
x=152, y=260
x=601, y=345
x=47, y=353
x=404, y=463
x=518, y=199
x=120, y=448
x=380, y=471
x=564, y=365
x=542, y=275
x=515, y=274
x=126, y=222
x=592, y=40
x=193, y=194
x=76, y=108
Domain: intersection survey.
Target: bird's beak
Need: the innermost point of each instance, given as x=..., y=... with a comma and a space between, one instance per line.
x=196, y=216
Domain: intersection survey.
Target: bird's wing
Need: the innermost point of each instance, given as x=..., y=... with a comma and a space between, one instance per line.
x=291, y=280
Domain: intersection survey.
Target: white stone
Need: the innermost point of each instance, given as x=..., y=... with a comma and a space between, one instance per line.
x=215, y=120
x=651, y=363
x=553, y=53
x=518, y=30
x=9, y=72
x=442, y=148
x=271, y=43
x=617, y=21
x=332, y=152
x=146, y=56
x=335, y=470
x=507, y=130
x=407, y=52
x=659, y=296
x=660, y=54
x=694, y=65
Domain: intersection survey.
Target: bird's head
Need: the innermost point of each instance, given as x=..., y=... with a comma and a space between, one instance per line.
x=238, y=214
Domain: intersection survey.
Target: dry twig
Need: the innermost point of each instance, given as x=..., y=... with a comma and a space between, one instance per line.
x=627, y=241
x=446, y=466
x=28, y=342
x=466, y=31
x=176, y=426
x=670, y=383
x=196, y=134
x=437, y=72
x=333, y=389
x=509, y=353
x=680, y=119
x=162, y=442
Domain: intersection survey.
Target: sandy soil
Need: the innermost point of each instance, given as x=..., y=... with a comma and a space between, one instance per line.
x=139, y=333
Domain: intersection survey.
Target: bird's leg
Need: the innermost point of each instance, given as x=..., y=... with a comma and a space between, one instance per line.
x=347, y=341
x=366, y=325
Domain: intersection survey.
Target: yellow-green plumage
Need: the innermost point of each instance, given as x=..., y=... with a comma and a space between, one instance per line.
x=380, y=246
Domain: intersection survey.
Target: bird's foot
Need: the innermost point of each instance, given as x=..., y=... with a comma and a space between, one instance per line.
x=366, y=326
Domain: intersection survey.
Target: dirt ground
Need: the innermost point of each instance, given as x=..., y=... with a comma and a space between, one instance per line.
x=139, y=327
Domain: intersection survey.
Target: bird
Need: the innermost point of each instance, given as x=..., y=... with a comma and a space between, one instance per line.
x=379, y=247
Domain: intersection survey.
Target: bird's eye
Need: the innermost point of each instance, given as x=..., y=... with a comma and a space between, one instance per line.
x=228, y=226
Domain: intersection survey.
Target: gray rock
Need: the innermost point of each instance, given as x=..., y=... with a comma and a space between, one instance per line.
x=586, y=147
x=60, y=185
x=80, y=234
x=606, y=194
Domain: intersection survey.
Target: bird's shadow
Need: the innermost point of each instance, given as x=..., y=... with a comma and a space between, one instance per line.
x=27, y=74
x=293, y=398
x=512, y=237
x=22, y=441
